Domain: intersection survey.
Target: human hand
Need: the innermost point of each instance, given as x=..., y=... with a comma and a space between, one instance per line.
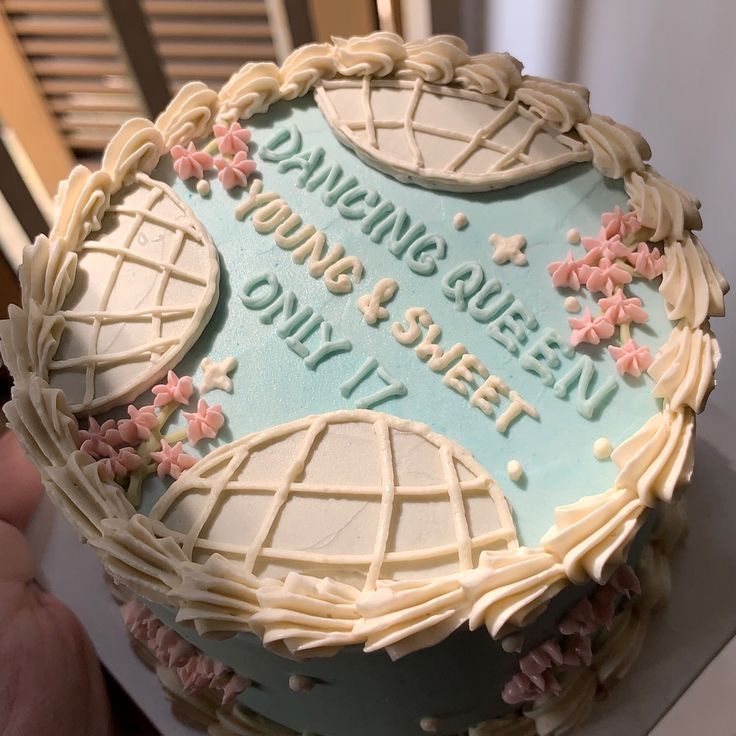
x=51, y=682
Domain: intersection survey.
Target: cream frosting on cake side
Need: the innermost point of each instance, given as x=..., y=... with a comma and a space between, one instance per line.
x=296, y=611
x=198, y=683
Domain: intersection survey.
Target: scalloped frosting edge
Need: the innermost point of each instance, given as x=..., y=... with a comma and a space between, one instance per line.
x=506, y=591
x=615, y=650
x=588, y=537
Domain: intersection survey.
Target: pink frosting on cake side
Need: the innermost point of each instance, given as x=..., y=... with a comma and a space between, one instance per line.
x=196, y=671
x=589, y=616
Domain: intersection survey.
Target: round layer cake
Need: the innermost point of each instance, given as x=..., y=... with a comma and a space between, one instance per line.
x=372, y=378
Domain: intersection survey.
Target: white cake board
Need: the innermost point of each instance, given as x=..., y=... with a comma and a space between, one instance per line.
x=698, y=623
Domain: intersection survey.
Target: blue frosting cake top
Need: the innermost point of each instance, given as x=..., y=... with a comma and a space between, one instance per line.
x=575, y=396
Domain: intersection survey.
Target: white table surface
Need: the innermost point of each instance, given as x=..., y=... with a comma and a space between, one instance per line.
x=681, y=685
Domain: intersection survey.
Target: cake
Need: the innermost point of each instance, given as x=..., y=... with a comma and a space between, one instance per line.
x=372, y=378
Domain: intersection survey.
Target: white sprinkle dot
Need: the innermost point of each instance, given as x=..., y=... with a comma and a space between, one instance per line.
x=301, y=683
x=572, y=305
x=573, y=236
x=203, y=187
x=512, y=643
x=460, y=221
x=515, y=469
x=602, y=448
x=430, y=725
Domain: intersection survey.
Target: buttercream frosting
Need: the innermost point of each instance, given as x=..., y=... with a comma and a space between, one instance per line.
x=134, y=149
x=692, y=286
x=435, y=59
x=374, y=55
x=588, y=537
x=617, y=150
x=490, y=74
x=188, y=115
x=662, y=207
x=561, y=105
x=304, y=67
x=684, y=367
x=589, y=673
x=658, y=459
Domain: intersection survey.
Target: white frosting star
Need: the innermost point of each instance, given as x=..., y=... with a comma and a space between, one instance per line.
x=508, y=249
x=215, y=374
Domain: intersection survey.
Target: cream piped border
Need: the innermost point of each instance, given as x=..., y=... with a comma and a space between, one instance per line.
x=614, y=652
x=507, y=589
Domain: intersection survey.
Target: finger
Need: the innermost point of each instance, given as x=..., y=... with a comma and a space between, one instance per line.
x=20, y=483
x=16, y=562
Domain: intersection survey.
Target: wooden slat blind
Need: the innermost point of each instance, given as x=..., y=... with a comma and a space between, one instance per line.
x=208, y=40
x=79, y=63
x=77, y=60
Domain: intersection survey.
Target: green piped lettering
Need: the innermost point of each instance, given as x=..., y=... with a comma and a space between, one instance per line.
x=584, y=373
x=248, y=293
x=284, y=143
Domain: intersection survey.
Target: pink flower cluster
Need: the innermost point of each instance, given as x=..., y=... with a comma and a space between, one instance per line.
x=196, y=671
x=175, y=389
x=171, y=460
x=233, y=171
x=536, y=675
x=623, y=224
x=631, y=358
x=114, y=443
x=107, y=443
x=189, y=163
x=589, y=329
x=611, y=262
x=205, y=422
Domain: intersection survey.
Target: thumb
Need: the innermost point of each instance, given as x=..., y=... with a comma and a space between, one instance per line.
x=20, y=483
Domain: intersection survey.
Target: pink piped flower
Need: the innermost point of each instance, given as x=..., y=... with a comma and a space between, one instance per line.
x=625, y=581
x=604, y=605
x=580, y=619
x=138, y=428
x=631, y=358
x=541, y=659
x=169, y=648
x=97, y=448
x=222, y=674
x=235, y=173
x=233, y=139
x=232, y=687
x=611, y=248
x=189, y=162
x=520, y=688
x=134, y=612
x=175, y=389
x=120, y=464
x=588, y=329
x=604, y=277
x=565, y=273
x=106, y=433
x=205, y=422
x=579, y=651
x=171, y=460
x=648, y=262
x=194, y=675
x=619, y=308
x=620, y=223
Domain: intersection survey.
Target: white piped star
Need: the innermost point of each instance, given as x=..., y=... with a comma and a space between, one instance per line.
x=508, y=249
x=215, y=374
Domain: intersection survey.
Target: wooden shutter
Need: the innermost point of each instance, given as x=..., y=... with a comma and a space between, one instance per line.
x=74, y=52
x=77, y=60
x=209, y=39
